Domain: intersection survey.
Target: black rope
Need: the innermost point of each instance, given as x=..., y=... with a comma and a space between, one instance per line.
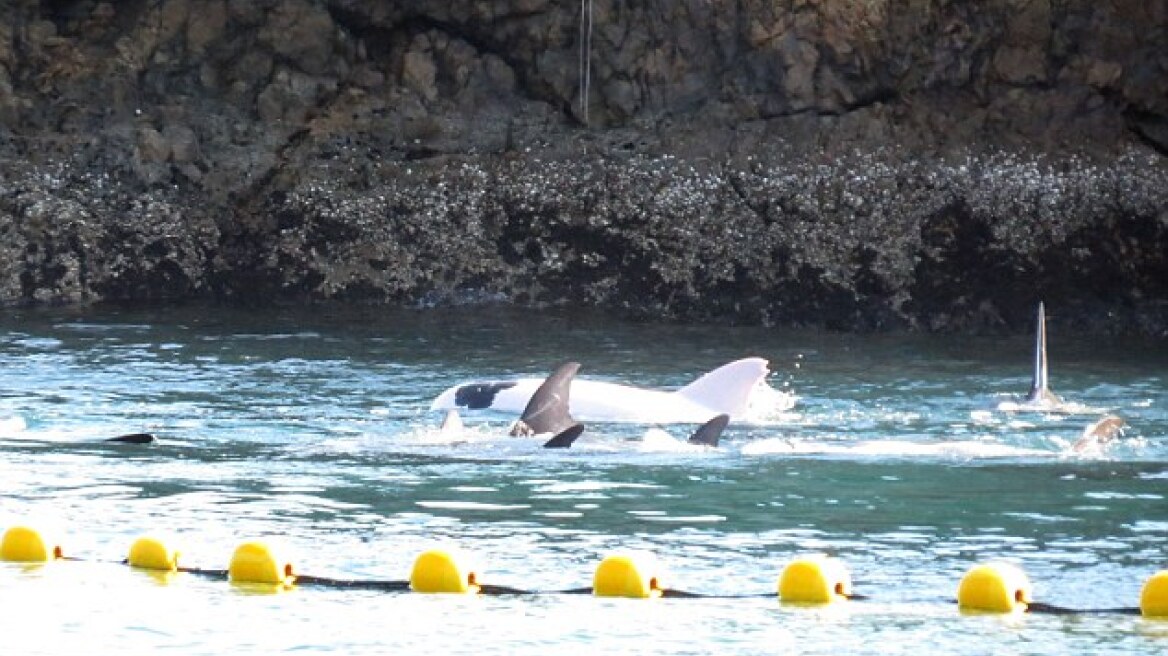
x=349, y=584
x=1050, y=609
x=502, y=590
x=209, y=573
x=1037, y=607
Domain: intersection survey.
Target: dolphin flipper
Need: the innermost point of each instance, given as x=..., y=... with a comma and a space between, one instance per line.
x=1040, y=393
x=547, y=411
x=710, y=432
x=565, y=438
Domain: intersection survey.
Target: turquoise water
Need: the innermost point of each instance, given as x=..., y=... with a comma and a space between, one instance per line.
x=311, y=429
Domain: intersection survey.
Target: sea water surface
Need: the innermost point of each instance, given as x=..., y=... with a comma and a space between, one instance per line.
x=311, y=429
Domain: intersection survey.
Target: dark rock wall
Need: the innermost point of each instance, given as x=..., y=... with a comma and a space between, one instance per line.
x=876, y=164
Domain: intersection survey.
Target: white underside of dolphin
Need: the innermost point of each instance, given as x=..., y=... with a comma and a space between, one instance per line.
x=738, y=389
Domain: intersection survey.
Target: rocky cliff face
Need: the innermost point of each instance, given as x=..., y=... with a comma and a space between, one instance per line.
x=883, y=163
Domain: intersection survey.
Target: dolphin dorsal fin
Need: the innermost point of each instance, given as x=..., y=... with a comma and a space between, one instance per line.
x=565, y=438
x=1040, y=382
x=727, y=389
x=547, y=411
x=710, y=432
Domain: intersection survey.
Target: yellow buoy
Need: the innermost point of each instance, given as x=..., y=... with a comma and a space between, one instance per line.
x=27, y=545
x=443, y=570
x=627, y=575
x=1154, y=595
x=149, y=552
x=995, y=588
x=256, y=562
x=815, y=580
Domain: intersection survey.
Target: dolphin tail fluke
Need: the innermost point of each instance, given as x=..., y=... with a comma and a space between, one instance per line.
x=565, y=438
x=727, y=389
x=710, y=432
x=547, y=411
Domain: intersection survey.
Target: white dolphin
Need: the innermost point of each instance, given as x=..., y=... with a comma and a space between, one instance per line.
x=738, y=389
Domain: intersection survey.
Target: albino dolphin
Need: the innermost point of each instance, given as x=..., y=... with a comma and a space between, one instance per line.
x=546, y=413
x=726, y=390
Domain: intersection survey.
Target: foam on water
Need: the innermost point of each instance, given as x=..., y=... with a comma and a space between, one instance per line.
x=968, y=449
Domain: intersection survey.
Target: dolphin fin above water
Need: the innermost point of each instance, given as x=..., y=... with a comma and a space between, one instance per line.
x=565, y=438
x=710, y=432
x=1040, y=393
x=1040, y=397
x=547, y=410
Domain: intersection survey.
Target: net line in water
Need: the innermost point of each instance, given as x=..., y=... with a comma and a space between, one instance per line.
x=813, y=580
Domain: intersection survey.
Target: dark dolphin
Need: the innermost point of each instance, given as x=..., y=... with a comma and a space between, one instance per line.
x=565, y=438
x=547, y=411
x=710, y=432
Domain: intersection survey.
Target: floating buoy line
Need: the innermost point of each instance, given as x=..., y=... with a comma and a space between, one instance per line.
x=809, y=580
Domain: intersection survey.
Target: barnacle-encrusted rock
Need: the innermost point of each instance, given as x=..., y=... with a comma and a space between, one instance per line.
x=884, y=164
